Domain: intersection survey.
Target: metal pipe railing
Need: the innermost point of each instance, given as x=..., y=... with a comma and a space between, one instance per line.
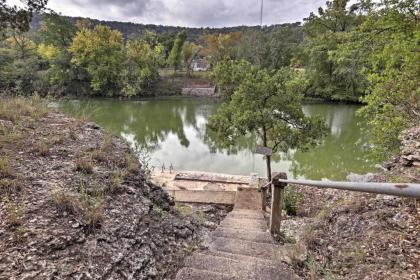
x=397, y=189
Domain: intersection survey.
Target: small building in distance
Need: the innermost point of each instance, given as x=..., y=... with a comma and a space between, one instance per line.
x=200, y=64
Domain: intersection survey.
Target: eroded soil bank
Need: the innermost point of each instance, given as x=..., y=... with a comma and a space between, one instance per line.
x=75, y=203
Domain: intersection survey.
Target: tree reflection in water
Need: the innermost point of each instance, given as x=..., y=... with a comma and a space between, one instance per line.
x=173, y=130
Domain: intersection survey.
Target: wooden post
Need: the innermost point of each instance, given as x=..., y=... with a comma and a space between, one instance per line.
x=277, y=193
x=264, y=199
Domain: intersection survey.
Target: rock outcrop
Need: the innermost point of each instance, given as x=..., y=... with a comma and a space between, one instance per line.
x=82, y=207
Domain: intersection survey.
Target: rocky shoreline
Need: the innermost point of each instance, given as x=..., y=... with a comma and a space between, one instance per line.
x=75, y=204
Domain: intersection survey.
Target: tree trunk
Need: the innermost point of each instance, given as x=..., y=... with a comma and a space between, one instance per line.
x=268, y=161
x=267, y=158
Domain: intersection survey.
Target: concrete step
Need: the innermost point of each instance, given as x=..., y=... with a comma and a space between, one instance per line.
x=239, y=269
x=250, y=224
x=248, y=248
x=247, y=211
x=256, y=236
x=246, y=215
x=188, y=273
x=244, y=258
x=248, y=198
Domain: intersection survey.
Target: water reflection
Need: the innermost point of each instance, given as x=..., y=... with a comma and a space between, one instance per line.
x=173, y=130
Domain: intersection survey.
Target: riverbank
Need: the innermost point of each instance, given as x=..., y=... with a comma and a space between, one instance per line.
x=349, y=235
x=75, y=203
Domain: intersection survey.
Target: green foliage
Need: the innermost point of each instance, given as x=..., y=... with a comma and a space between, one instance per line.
x=189, y=52
x=393, y=104
x=292, y=201
x=100, y=53
x=222, y=46
x=174, y=59
x=332, y=74
x=19, y=18
x=271, y=50
x=143, y=63
x=57, y=30
x=268, y=104
x=229, y=74
x=20, y=63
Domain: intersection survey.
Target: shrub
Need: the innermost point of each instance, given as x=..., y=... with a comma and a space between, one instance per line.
x=292, y=201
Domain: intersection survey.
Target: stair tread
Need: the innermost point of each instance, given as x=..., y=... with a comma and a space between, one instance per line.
x=256, y=216
x=239, y=268
x=244, y=223
x=248, y=248
x=244, y=258
x=257, y=236
x=188, y=273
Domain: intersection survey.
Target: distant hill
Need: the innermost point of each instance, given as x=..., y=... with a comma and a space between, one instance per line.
x=129, y=29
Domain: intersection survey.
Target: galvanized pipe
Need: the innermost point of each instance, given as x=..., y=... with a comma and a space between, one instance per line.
x=397, y=189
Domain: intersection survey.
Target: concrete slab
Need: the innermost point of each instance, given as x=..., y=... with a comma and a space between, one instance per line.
x=191, y=196
x=239, y=269
x=248, y=198
x=255, y=236
x=248, y=248
x=188, y=273
x=244, y=224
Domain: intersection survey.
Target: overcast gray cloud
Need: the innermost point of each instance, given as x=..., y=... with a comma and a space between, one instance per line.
x=194, y=13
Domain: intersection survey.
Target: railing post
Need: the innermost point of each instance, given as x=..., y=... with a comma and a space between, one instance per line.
x=277, y=192
x=263, y=199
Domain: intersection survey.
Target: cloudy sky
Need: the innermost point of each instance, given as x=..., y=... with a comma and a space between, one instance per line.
x=193, y=13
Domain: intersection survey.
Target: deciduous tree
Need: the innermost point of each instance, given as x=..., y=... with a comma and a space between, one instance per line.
x=100, y=52
x=268, y=104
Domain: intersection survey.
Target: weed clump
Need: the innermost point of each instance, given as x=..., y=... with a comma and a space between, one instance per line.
x=292, y=201
x=84, y=165
x=14, y=109
x=65, y=201
x=114, y=182
x=42, y=148
x=15, y=214
x=6, y=171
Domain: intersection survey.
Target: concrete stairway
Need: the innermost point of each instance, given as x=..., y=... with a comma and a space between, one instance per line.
x=240, y=248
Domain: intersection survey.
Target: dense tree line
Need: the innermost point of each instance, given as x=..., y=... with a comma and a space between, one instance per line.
x=85, y=59
x=367, y=52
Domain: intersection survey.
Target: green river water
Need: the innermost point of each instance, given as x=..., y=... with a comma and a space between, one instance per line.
x=173, y=131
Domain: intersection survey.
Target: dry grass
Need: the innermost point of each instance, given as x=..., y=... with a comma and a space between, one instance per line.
x=10, y=135
x=132, y=164
x=8, y=186
x=99, y=155
x=15, y=214
x=6, y=170
x=14, y=109
x=65, y=201
x=107, y=144
x=84, y=165
x=114, y=183
x=42, y=148
x=93, y=212
x=184, y=210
